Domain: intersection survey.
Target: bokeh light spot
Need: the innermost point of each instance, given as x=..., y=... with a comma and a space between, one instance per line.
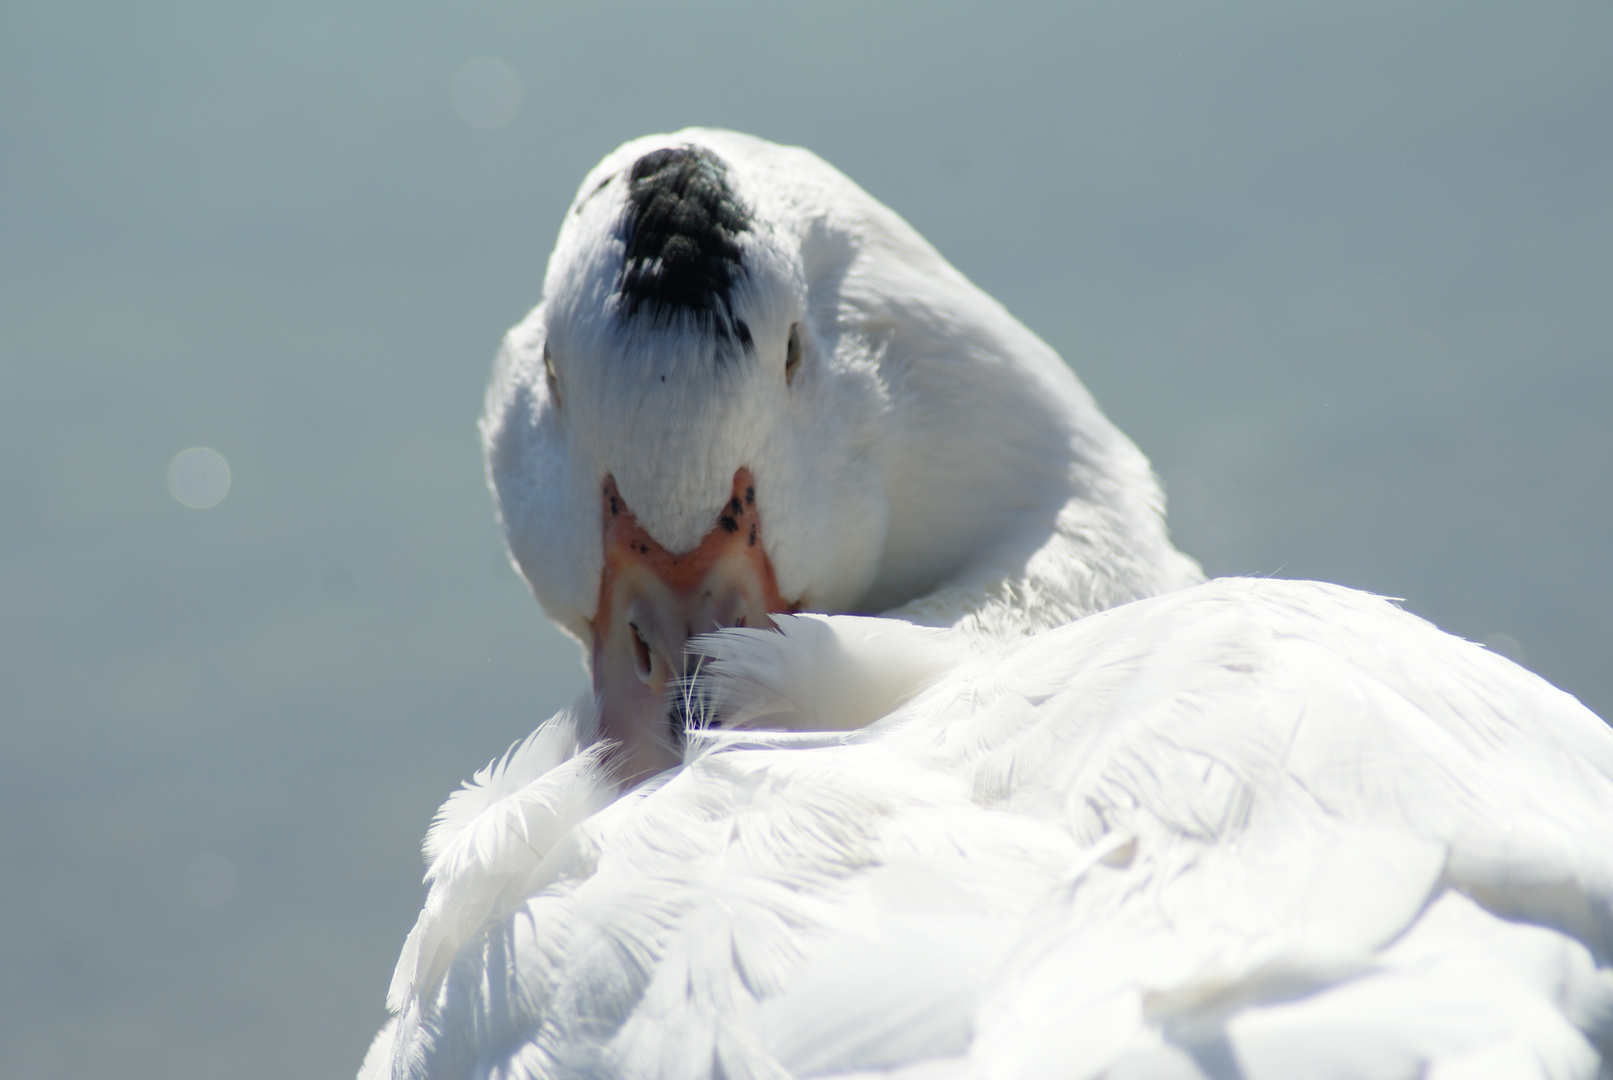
x=199, y=477
x=486, y=92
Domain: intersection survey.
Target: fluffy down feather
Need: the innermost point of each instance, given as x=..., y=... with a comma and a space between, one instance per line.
x=488, y=844
x=1251, y=829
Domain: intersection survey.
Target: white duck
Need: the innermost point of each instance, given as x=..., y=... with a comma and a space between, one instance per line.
x=1063, y=811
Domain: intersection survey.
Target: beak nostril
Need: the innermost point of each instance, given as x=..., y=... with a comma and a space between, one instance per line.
x=642, y=661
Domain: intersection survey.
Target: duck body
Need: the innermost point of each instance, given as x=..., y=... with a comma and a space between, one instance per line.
x=1063, y=811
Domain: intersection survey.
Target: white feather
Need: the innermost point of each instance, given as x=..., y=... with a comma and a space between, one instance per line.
x=1227, y=828
x=490, y=844
x=815, y=673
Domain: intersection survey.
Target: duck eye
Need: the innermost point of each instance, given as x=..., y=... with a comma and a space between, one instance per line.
x=548, y=374
x=792, y=353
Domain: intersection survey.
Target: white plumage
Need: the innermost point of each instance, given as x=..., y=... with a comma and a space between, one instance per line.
x=1254, y=829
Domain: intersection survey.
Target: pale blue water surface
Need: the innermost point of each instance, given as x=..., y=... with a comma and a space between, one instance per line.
x=1344, y=271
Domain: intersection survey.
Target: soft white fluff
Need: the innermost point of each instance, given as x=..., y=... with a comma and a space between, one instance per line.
x=815, y=673
x=1257, y=829
x=1244, y=829
x=491, y=843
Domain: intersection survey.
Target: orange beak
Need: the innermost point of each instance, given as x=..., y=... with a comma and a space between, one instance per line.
x=651, y=602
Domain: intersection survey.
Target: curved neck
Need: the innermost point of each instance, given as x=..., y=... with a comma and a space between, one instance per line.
x=1015, y=504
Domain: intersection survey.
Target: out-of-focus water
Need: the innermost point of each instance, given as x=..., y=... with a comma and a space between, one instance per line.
x=1343, y=271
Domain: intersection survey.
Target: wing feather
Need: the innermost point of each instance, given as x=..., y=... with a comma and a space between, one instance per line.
x=1253, y=829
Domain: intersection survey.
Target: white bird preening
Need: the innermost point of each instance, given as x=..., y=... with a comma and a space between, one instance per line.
x=1061, y=810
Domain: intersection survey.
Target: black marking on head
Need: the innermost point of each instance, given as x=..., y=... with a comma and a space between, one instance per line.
x=681, y=227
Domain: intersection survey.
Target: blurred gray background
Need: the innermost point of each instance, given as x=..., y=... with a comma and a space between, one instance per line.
x=1345, y=272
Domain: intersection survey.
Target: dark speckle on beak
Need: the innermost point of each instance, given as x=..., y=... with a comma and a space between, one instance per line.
x=752, y=541
x=750, y=496
x=729, y=523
